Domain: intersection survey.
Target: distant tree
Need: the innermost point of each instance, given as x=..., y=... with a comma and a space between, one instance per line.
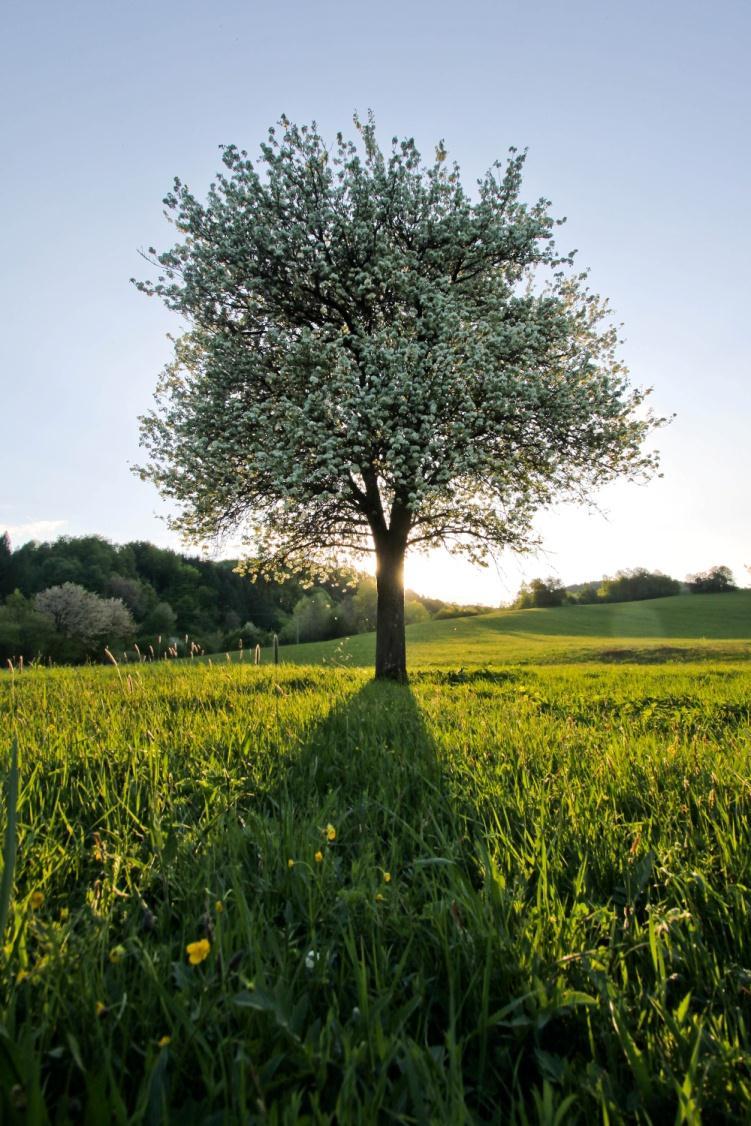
x=415, y=611
x=377, y=362
x=160, y=620
x=117, y=621
x=637, y=584
x=85, y=617
x=432, y=605
x=23, y=631
x=16, y=606
x=365, y=603
x=539, y=593
x=6, y=566
x=717, y=580
x=137, y=596
x=312, y=619
x=458, y=610
x=586, y=595
x=88, y=561
x=251, y=635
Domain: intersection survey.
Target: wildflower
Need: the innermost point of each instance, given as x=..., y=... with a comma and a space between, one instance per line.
x=64, y=913
x=100, y=1008
x=330, y=832
x=290, y=863
x=379, y=897
x=198, y=951
x=318, y=857
x=165, y=1040
x=311, y=959
x=218, y=906
x=387, y=877
x=37, y=899
x=116, y=954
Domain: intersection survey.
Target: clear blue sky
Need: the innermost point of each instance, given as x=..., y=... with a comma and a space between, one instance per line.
x=636, y=116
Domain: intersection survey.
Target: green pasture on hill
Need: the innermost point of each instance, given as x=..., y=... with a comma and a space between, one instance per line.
x=511, y=894
x=684, y=627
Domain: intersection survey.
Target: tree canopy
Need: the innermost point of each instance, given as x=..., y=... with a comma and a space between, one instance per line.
x=378, y=360
x=716, y=580
x=636, y=584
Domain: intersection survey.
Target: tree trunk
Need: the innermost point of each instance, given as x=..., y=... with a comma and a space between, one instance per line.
x=391, y=644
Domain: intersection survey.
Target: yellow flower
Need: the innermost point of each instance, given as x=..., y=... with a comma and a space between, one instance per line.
x=117, y=953
x=37, y=899
x=100, y=1008
x=218, y=906
x=165, y=1040
x=387, y=877
x=64, y=913
x=21, y=976
x=330, y=832
x=318, y=857
x=198, y=951
x=290, y=863
x=379, y=897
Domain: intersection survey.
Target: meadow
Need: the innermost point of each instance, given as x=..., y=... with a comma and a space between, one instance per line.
x=515, y=890
x=681, y=628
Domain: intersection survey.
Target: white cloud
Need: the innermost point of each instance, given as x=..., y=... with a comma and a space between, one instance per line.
x=33, y=530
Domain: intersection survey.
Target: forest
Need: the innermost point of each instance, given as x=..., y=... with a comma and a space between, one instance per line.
x=65, y=601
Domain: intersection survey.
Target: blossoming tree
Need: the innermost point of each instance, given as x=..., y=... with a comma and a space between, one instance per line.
x=377, y=360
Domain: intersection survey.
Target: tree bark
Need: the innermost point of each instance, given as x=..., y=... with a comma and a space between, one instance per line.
x=391, y=643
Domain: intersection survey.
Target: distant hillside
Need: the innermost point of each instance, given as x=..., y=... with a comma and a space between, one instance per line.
x=680, y=627
x=684, y=615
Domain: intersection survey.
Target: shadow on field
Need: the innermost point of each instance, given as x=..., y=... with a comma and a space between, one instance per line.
x=400, y=920
x=372, y=755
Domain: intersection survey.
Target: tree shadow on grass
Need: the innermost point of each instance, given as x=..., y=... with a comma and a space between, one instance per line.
x=374, y=752
x=459, y=939
x=410, y=937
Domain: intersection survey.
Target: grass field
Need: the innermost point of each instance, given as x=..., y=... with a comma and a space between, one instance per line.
x=685, y=627
x=515, y=893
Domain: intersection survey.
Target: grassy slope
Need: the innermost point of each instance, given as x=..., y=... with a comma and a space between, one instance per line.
x=707, y=625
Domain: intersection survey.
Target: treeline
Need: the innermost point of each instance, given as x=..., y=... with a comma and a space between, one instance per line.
x=66, y=601
x=633, y=585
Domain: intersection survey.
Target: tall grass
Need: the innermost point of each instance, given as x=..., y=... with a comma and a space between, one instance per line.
x=512, y=894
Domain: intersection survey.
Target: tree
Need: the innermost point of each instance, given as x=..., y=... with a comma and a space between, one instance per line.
x=415, y=611
x=540, y=593
x=585, y=594
x=636, y=585
x=23, y=632
x=84, y=617
x=160, y=621
x=376, y=361
x=365, y=605
x=717, y=580
x=137, y=596
x=312, y=619
x=6, y=566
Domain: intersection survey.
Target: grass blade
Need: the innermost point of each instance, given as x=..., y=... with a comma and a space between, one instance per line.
x=9, y=846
